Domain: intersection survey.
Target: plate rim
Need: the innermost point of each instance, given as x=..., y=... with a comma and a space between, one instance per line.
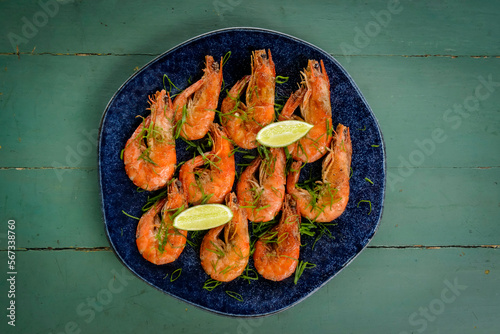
x=180, y=45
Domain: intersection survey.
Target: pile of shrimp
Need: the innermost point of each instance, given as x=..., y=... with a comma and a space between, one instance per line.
x=266, y=189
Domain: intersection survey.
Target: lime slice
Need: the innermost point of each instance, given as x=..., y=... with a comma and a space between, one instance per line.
x=281, y=134
x=203, y=217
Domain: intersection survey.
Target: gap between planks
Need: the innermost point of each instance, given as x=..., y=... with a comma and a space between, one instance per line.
x=107, y=249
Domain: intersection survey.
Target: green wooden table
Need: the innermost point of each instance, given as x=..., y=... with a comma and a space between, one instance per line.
x=430, y=70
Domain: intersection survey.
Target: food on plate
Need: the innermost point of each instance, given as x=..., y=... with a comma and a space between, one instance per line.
x=157, y=239
x=282, y=134
x=314, y=100
x=225, y=250
x=243, y=120
x=149, y=155
x=328, y=199
x=277, y=252
x=263, y=189
x=195, y=106
x=262, y=197
x=209, y=177
x=203, y=217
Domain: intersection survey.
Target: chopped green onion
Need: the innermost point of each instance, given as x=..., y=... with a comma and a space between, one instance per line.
x=217, y=251
x=195, y=237
x=211, y=284
x=226, y=57
x=245, y=275
x=235, y=295
x=126, y=214
x=306, y=228
x=368, y=180
x=324, y=231
x=205, y=198
x=152, y=200
x=281, y=80
x=170, y=83
x=366, y=201
x=300, y=269
x=175, y=275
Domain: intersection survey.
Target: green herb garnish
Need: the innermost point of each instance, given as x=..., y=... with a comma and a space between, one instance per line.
x=170, y=83
x=126, y=214
x=281, y=80
x=211, y=284
x=246, y=275
x=235, y=295
x=175, y=275
x=366, y=201
x=300, y=269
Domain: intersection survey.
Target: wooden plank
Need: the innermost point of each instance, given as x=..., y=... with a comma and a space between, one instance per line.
x=431, y=207
x=57, y=122
x=53, y=208
x=382, y=27
x=433, y=112
x=382, y=291
x=411, y=97
x=441, y=206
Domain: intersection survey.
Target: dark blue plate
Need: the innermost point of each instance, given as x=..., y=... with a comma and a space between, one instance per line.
x=184, y=63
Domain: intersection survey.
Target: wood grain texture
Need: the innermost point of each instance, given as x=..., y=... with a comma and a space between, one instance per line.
x=431, y=207
x=56, y=124
x=340, y=27
x=382, y=291
x=429, y=71
x=53, y=208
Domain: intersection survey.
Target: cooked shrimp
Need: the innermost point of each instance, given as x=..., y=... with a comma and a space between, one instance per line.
x=149, y=155
x=277, y=252
x=329, y=198
x=235, y=117
x=157, y=239
x=195, y=106
x=225, y=259
x=315, y=107
x=210, y=184
x=243, y=121
x=262, y=199
x=260, y=91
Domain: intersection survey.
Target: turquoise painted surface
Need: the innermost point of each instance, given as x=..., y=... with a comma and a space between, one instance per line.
x=430, y=72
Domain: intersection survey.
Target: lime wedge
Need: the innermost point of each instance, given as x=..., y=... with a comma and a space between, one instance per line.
x=203, y=217
x=281, y=134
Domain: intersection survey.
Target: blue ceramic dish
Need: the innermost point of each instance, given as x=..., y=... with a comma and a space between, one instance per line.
x=354, y=228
